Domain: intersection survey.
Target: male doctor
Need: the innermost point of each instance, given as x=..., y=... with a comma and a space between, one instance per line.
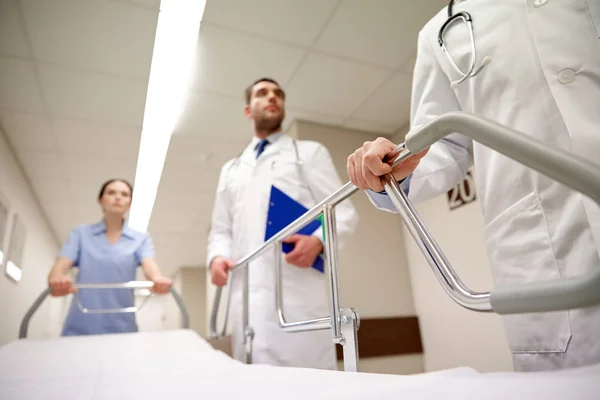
x=238, y=227
x=543, y=80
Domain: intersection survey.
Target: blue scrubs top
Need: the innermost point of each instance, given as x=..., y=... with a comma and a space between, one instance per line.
x=99, y=261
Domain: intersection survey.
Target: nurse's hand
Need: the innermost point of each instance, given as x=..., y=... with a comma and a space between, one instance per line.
x=161, y=285
x=61, y=286
x=219, y=270
x=305, y=252
x=365, y=166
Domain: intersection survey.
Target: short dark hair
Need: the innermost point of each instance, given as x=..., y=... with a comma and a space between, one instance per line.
x=248, y=91
x=105, y=184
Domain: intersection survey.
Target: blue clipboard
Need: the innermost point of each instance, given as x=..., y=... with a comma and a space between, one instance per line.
x=283, y=210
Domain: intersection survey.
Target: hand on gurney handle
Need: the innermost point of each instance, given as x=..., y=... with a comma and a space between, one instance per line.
x=366, y=165
x=219, y=270
x=306, y=250
x=61, y=285
x=162, y=285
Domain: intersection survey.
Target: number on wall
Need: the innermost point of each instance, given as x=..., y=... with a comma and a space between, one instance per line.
x=463, y=193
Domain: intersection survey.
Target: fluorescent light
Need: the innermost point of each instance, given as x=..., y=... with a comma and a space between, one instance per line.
x=1, y=257
x=172, y=62
x=13, y=271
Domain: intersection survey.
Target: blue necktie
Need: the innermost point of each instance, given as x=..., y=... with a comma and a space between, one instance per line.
x=260, y=147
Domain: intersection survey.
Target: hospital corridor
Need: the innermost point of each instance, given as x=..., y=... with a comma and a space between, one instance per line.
x=358, y=199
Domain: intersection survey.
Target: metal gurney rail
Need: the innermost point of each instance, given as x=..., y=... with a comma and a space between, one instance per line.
x=185, y=320
x=553, y=295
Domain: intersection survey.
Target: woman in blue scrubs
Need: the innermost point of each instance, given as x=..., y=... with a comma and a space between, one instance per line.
x=106, y=252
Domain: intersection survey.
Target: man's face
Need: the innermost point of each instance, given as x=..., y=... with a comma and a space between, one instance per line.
x=266, y=107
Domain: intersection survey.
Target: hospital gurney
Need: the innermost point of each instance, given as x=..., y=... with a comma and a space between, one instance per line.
x=180, y=364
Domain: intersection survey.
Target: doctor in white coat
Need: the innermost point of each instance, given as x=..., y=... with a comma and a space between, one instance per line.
x=542, y=78
x=238, y=227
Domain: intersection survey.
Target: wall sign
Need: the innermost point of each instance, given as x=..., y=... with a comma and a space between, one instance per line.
x=463, y=193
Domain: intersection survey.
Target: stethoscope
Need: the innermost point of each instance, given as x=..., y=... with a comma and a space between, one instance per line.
x=466, y=18
x=299, y=167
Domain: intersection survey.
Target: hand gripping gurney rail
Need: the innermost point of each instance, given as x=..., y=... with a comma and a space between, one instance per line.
x=554, y=295
x=185, y=320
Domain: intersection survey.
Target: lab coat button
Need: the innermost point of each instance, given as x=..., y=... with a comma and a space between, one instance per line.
x=540, y=3
x=566, y=76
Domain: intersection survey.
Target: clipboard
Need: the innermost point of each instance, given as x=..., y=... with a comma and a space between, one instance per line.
x=284, y=210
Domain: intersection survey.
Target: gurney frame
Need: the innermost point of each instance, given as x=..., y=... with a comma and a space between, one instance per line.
x=553, y=295
x=185, y=319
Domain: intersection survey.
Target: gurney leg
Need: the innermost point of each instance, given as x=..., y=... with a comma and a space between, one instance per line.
x=248, y=338
x=350, y=324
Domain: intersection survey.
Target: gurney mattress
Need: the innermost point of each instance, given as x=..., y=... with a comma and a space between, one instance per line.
x=180, y=364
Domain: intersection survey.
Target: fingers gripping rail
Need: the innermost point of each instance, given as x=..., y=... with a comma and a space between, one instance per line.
x=84, y=286
x=554, y=295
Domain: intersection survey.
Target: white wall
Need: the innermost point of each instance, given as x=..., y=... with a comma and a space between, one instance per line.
x=193, y=291
x=159, y=312
x=452, y=336
x=374, y=272
x=39, y=255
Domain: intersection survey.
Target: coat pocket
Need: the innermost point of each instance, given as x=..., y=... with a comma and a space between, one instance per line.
x=520, y=251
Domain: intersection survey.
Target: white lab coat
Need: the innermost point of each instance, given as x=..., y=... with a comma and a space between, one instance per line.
x=544, y=80
x=238, y=228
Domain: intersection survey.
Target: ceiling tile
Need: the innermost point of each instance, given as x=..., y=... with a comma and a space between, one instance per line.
x=292, y=114
x=155, y=4
x=381, y=32
x=98, y=169
x=188, y=181
x=193, y=203
x=42, y=164
x=80, y=137
x=211, y=115
x=292, y=21
x=371, y=127
x=51, y=190
x=84, y=190
x=331, y=86
x=83, y=95
x=173, y=221
x=202, y=152
x=12, y=38
x=28, y=131
x=102, y=36
x=389, y=104
x=80, y=208
x=227, y=61
x=19, y=88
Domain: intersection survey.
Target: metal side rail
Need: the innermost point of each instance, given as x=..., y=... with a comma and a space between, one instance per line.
x=343, y=322
x=561, y=294
x=572, y=171
x=185, y=320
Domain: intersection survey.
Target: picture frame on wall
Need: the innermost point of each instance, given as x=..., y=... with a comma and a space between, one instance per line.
x=14, y=257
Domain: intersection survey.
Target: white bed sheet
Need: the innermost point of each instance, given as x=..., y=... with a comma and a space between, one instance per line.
x=180, y=365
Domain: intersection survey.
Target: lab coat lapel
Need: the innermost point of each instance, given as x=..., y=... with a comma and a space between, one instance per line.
x=274, y=150
x=248, y=156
